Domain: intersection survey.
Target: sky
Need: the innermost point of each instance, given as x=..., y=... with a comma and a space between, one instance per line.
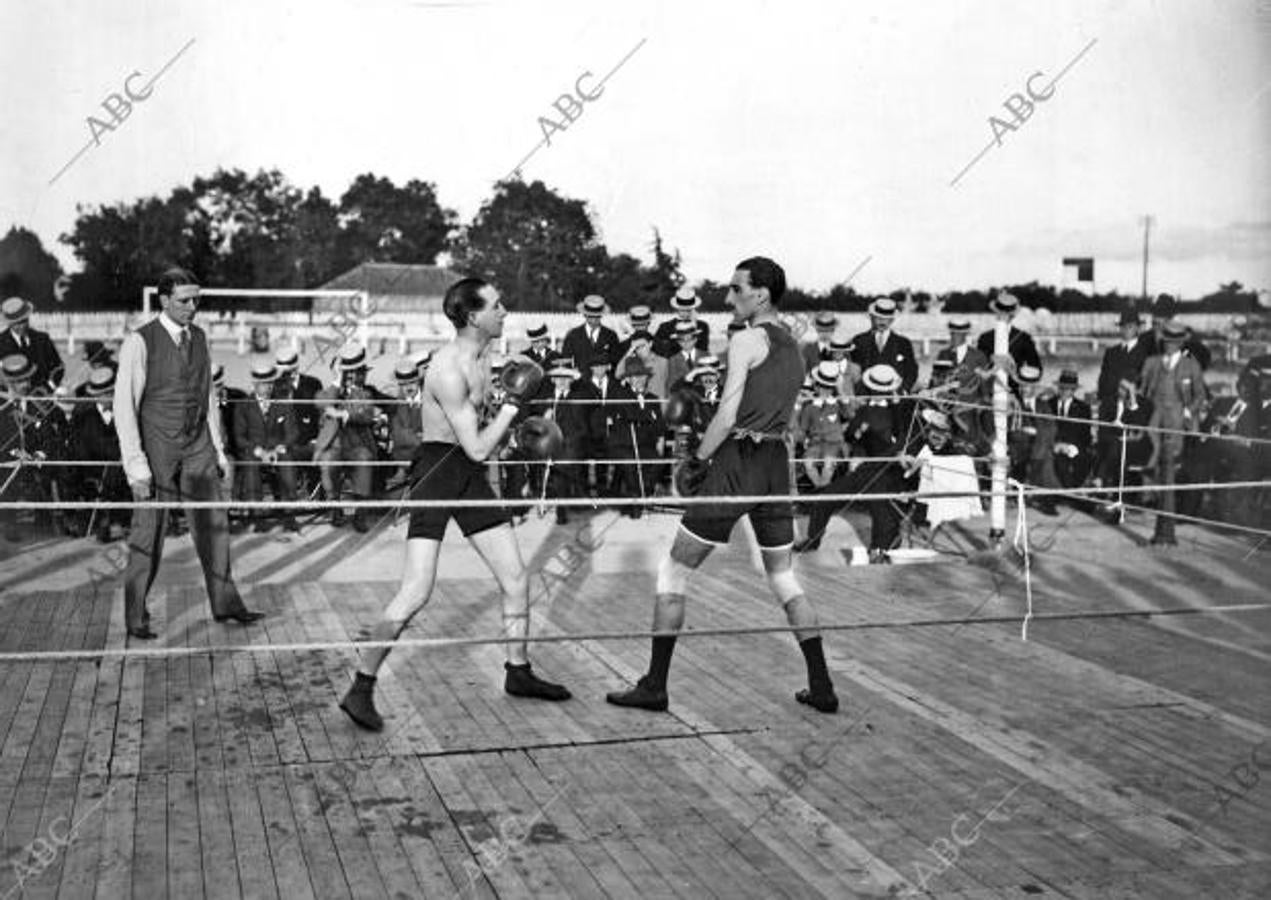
x=834, y=137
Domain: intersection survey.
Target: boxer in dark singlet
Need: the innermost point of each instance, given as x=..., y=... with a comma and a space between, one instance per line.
x=743, y=453
x=450, y=466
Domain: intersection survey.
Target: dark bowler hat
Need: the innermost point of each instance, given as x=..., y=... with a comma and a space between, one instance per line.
x=1165, y=307
x=960, y=325
x=101, y=382
x=16, y=367
x=1129, y=317
x=600, y=358
x=1068, y=378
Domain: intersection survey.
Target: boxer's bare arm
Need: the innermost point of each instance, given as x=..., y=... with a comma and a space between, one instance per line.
x=451, y=391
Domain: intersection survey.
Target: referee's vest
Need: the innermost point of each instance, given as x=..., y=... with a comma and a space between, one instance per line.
x=767, y=401
x=173, y=410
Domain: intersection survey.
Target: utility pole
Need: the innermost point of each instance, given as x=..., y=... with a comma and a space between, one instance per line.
x=1147, y=228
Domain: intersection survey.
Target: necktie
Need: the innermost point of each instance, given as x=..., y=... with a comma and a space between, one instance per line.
x=640, y=397
x=881, y=340
x=184, y=346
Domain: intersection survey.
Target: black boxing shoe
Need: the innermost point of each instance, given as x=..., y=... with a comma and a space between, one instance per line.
x=359, y=703
x=522, y=682
x=824, y=701
x=642, y=696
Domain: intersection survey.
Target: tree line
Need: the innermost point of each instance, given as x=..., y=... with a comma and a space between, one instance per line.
x=543, y=249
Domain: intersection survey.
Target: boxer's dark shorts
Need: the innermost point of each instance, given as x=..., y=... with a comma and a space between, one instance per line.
x=745, y=468
x=444, y=473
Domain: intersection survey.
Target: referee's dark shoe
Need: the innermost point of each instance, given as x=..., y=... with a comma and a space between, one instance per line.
x=642, y=696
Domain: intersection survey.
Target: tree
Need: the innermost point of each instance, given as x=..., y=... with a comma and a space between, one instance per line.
x=539, y=247
x=384, y=223
x=26, y=268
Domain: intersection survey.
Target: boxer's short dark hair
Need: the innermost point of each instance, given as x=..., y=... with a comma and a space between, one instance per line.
x=764, y=273
x=462, y=299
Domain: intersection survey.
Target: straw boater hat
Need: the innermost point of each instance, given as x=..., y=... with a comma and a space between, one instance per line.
x=685, y=299
x=936, y=419
x=941, y=364
x=640, y=316
x=593, y=305
x=538, y=332
x=843, y=344
x=1068, y=378
x=685, y=329
x=881, y=379
x=15, y=310
x=218, y=375
x=1028, y=374
x=353, y=359
x=563, y=367
x=883, y=308
x=1004, y=302
x=265, y=372
x=960, y=325
x=825, y=321
x=826, y=375
x=707, y=365
x=16, y=367
x=286, y=359
x=406, y=372
x=101, y=382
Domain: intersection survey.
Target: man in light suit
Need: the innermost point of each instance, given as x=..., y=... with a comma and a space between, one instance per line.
x=882, y=346
x=1174, y=384
x=590, y=339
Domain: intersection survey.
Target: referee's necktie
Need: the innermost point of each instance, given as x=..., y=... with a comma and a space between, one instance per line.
x=184, y=346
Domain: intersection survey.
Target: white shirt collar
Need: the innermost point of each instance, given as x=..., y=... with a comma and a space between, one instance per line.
x=172, y=328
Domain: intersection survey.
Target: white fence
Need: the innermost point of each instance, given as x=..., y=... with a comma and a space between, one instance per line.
x=421, y=330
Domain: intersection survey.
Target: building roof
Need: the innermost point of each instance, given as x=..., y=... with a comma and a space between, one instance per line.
x=395, y=280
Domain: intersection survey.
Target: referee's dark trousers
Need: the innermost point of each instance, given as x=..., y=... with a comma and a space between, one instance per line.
x=172, y=420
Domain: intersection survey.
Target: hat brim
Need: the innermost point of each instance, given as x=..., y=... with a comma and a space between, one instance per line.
x=877, y=314
x=564, y=373
x=684, y=305
x=24, y=375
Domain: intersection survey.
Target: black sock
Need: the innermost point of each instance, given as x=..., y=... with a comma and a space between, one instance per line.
x=818, y=674
x=660, y=662
x=362, y=680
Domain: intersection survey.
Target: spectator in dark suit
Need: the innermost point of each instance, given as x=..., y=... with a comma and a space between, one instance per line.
x=32, y=430
x=639, y=318
x=295, y=385
x=826, y=324
x=603, y=390
x=590, y=339
x=1019, y=343
x=666, y=340
x=564, y=406
x=540, y=348
x=405, y=421
x=1073, y=446
x=638, y=435
x=268, y=432
x=680, y=364
x=346, y=435
x=881, y=346
x=1123, y=452
x=1123, y=361
x=1030, y=440
x=19, y=337
x=967, y=362
x=92, y=438
x=706, y=378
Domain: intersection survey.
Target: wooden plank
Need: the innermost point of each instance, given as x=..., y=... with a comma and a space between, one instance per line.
x=118, y=839
x=185, y=859
x=321, y=858
x=217, y=837
x=360, y=794
x=253, y=845
x=86, y=825
x=291, y=870
x=409, y=809
x=150, y=838
x=351, y=843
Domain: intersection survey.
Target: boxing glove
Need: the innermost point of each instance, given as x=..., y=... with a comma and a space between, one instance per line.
x=690, y=475
x=683, y=407
x=540, y=438
x=520, y=380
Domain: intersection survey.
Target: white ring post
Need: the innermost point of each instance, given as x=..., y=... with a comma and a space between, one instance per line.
x=997, y=503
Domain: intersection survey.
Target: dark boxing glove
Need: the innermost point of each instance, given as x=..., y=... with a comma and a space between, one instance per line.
x=683, y=407
x=541, y=438
x=690, y=475
x=520, y=379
